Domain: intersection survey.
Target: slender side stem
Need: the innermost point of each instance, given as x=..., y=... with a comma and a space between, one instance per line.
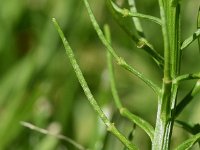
x=127, y=13
x=110, y=126
x=119, y=60
x=136, y=20
x=147, y=127
x=139, y=40
x=187, y=77
x=111, y=71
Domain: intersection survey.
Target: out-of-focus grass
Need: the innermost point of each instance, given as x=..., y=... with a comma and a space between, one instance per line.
x=37, y=84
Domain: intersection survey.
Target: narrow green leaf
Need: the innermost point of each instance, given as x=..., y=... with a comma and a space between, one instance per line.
x=127, y=13
x=119, y=60
x=189, y=143
x=188, y=98
x=139, y=122
x=110, y=126
x=190, y=39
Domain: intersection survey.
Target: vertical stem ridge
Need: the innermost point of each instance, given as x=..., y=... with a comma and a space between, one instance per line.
x=170, y=16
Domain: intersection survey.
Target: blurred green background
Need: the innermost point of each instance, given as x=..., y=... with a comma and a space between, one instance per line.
x=38, y=85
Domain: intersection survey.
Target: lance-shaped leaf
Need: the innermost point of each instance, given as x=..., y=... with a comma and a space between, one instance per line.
x=189, y=143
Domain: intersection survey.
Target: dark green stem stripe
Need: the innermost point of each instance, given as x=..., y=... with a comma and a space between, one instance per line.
x=88, y=93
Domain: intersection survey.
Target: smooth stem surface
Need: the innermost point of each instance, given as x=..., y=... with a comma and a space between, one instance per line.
x=167, y=99
x=110, y=126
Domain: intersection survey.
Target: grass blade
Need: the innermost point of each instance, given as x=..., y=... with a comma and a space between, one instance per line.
x=46, y=132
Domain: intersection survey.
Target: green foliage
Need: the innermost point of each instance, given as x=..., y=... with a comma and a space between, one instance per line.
x=147, y=59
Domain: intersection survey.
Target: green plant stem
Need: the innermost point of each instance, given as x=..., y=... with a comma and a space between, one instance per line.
x=119, y=60
x=147, y=127
x=127, y=13
x=186, y=77
x=167, y=99
x=139, y=40
x=110, y=126
x=136, y=20
x=111, y=71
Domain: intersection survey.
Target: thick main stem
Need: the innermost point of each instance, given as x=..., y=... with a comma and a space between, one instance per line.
x=167, y=99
